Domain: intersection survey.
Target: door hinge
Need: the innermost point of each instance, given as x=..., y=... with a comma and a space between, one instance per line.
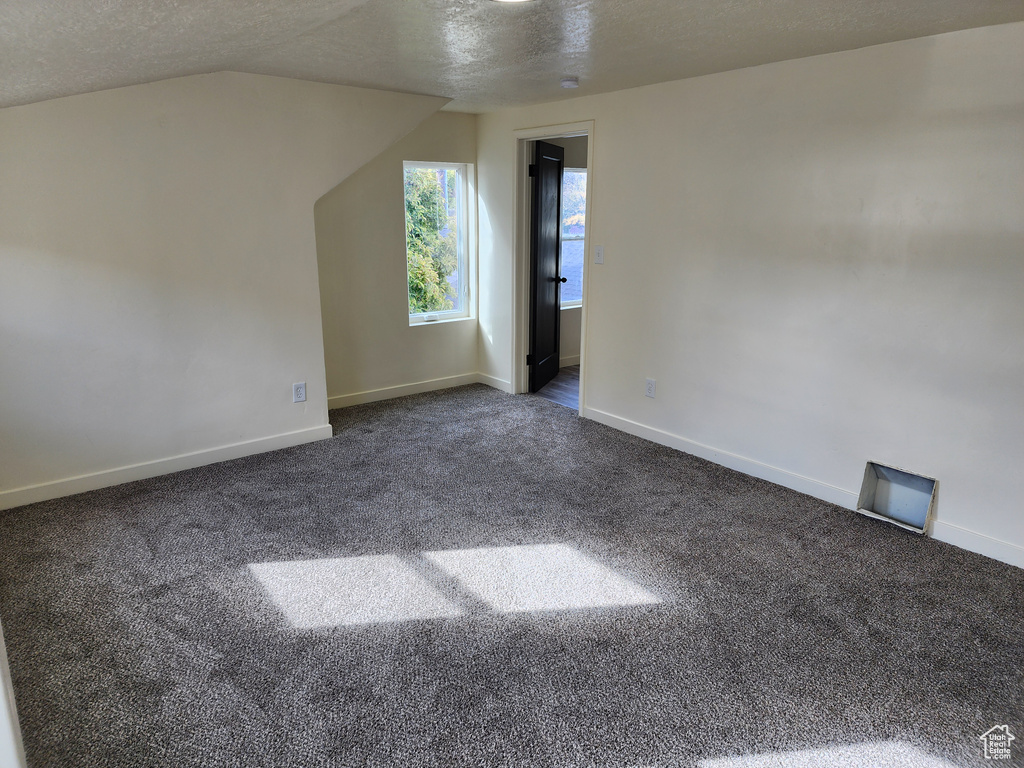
x=533, y=170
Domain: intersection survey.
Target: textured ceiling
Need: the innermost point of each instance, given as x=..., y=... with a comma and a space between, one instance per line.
x=480, y=53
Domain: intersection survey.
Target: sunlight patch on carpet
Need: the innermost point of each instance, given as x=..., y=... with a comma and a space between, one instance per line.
x=334, y=592
x=540, y=577
x=881, y=754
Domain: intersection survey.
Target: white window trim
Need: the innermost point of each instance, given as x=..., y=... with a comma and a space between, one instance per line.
x=463, y=245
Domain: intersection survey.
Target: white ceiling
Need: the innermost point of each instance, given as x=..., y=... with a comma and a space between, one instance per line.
x=480, y=53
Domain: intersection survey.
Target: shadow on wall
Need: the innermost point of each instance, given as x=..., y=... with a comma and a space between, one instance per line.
x=368, y=344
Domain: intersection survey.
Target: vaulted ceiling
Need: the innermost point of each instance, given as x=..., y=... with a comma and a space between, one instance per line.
x=482, y=54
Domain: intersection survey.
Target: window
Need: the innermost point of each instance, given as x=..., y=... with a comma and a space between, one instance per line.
x=574, y=215
x=436, y=241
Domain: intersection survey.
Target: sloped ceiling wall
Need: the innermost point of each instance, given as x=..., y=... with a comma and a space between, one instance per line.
x=369, y=346
x=158, y=275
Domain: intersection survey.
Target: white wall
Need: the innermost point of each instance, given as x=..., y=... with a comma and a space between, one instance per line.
x=818, y=260
x=12, y=754
x=158, y=276
x=569, y=329
x=371, y=351
x=575, y=150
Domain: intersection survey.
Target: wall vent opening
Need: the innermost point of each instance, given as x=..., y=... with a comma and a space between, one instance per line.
x=897, y=496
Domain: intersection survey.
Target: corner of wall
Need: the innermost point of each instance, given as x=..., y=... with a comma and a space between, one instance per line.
x=370, y=349
x=12, y=750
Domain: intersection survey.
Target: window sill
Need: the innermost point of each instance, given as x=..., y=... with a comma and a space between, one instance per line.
x=571, y=305
x=415, y=322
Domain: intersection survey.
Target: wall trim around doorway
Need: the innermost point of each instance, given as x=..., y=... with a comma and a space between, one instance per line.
x=521, y=249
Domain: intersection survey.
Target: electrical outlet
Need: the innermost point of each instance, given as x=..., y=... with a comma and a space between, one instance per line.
x=599, y=254
x=299, y=392
x=649, y=392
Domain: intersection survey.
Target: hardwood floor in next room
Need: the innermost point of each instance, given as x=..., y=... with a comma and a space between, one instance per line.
x=564, y=389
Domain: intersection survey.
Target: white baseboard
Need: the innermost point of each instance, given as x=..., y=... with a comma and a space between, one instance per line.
x=55, y=489
x=742, y=464
x=571, y=360
x=387, y=393
x=997, y=549
x=1003, y=551
x=496, y=383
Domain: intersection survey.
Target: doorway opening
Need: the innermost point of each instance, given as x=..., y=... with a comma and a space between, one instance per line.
x=560, y=242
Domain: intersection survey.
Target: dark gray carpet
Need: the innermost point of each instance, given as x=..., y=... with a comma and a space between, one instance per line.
x=789, y=632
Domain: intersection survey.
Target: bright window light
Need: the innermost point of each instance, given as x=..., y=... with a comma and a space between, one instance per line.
x=542, y=577
x=436, y=241
x=574, y=218
x=334, y=592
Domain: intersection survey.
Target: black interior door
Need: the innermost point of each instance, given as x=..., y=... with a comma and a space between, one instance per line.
x=544, y=260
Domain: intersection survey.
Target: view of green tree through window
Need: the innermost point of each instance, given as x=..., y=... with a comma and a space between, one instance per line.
x=435, y=239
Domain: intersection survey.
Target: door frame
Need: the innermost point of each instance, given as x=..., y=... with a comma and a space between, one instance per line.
x=521, y=249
